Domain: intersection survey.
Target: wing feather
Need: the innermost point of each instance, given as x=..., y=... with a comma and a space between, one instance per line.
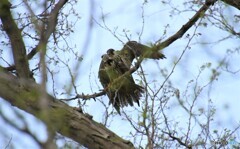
x=114, y=64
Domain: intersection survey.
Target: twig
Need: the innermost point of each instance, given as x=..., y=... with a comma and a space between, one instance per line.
x=86, y=97
x=159, y=46
x=51, y=24
x=178, y=140
x=52, y=21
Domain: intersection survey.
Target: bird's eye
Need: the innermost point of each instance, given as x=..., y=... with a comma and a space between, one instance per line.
x=104, y=55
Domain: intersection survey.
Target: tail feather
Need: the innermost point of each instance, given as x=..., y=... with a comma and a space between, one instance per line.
x=122, y=98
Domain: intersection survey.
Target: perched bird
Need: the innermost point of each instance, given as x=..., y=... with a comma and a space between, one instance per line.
x=121, y=89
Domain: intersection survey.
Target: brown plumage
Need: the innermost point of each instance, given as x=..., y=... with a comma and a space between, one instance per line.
x=122, y=90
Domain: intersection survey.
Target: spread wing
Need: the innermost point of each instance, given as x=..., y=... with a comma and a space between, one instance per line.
x=134, y=49
x=121, y=89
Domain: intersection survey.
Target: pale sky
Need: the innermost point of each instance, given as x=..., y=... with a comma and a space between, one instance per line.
x=126, y=15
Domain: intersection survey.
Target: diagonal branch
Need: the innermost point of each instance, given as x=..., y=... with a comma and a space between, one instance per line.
x=200, y=13
x=178, y=140
x=14, y=34
x=234, y=3
x=64, y=119
x=159, y=46
x=50, y=27
x=174, y=37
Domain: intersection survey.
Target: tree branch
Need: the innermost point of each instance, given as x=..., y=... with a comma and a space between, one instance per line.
x=185, y=27
x=178, y=140
x=174, y=37
x=234, y=3
x=14, y=34
x=51, y=24
x=159, y=46
x=86, y=96
x=64, y=119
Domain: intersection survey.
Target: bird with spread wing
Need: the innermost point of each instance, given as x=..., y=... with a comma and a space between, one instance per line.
x=120, y=87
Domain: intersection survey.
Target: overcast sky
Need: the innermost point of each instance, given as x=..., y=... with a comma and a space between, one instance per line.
x=125, y=15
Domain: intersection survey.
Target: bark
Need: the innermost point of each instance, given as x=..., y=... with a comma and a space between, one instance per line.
x=14, y=34
x=25, y=94
x=64, y=119
x=234, y=3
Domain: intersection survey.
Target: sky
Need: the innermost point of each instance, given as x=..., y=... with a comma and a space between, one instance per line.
x=126, y=17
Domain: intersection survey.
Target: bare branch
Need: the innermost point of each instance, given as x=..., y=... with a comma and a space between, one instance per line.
x=50, y=27
x=171, y=39
x=87, y=96
x=178, y=140
x=14, y=34
x=51, y=24
x=233, y=3
x=200, y=13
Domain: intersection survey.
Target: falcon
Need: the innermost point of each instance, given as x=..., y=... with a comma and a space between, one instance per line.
x=121, y=88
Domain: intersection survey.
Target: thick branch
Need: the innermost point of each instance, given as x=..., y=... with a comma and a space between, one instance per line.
x=234, y=3
x=186, y=26
x=14, y=34
x=64, y=119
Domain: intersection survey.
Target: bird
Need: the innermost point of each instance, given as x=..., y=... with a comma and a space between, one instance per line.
x=121, y=89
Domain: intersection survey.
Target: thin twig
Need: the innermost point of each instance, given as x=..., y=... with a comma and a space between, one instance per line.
x=86, y=97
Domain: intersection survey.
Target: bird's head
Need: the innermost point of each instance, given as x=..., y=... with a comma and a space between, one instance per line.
x=107, y=61
x=110, y=52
